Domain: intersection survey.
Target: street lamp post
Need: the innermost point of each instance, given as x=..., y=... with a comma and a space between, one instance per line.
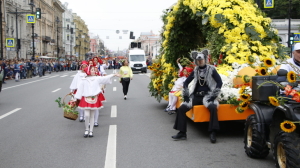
x=289, y=28
x=57, y=20
x=1, y=31
x=32, y=26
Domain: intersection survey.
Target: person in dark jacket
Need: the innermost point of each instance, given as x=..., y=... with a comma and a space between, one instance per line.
x=202, y=87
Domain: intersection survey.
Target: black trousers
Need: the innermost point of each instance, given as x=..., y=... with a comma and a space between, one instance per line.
x=125, y=85
x=181, y=118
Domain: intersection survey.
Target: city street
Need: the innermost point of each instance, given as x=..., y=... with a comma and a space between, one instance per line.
x=132, y=133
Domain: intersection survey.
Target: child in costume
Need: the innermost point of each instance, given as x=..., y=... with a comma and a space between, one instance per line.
x=101, y=97
x=178, y=85
x=76, y=82
x=88, y=93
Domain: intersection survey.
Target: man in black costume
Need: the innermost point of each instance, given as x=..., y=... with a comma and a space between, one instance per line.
x=202, y=87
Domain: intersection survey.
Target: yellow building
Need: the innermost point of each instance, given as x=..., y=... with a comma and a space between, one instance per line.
x=82, y=38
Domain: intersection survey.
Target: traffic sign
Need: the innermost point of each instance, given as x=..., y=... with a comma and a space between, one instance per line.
x=10, y=42
x=297, y=37
x=30, y=18
x=268, y=3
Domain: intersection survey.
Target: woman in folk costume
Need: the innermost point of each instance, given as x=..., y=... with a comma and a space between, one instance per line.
x=76, y=82
x=98, y=63
x=88, y=93
x=202, y=87
x=178, y=84
x=102, y=99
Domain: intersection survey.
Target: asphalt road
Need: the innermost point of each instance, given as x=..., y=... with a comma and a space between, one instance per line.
x=34, y=133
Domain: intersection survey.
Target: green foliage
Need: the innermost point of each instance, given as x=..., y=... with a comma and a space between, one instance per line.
x=281, y=8
x=250, y=31
x=66, y=107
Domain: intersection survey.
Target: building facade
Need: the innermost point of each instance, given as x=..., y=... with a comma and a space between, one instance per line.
x=82, y=38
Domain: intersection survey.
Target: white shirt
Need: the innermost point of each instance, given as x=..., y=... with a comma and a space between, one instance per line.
x=77, y=80
x=288, y=67
x=178, y=84
x=90, y=85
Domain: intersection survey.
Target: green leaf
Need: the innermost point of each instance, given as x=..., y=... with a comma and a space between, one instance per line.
x=220, y=18
x=199, y=14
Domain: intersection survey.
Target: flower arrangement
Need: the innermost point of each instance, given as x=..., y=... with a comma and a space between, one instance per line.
x=237, y=35
x=70, y=107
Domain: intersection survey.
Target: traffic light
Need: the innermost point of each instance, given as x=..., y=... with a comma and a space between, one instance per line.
x=133, y=44
x=38, y=13
x=291, y=38
x=131, y=35
x=72, y=30
x=139, y=45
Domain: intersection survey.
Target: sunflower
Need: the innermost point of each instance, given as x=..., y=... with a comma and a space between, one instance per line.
x=262, y=71
x=288, y=126
x=242, y=89
x=273, y=101
x=245, y=97
x=246, y=78
x=157, y=65
x=244, y=105
x=250, y=59
x=291, y=76
x=150, y=68
x=239, y=110
x=268, y=62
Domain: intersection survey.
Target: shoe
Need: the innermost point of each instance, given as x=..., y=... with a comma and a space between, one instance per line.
x=180, y=136
x=81, y=119
x=212, y=137
x=91, y=134
x=86, y=133
x=167, y=109
x=171, y=112
x=125, y=97
x=96, y=125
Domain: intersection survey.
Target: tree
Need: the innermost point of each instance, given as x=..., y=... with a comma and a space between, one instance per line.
x=281, y=9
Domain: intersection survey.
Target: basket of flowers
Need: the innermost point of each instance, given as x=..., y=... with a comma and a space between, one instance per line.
x=69, y=108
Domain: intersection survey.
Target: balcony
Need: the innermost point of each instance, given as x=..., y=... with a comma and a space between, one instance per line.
x=52, y=41
x=46, y=38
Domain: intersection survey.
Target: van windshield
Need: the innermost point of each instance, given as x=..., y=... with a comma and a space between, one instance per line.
x=137, y=58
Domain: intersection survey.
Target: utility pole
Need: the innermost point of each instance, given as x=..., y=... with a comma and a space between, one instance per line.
x=289, y=29
x=32, y=26
x=18, y=45
x=57, y=20
x=1, y=31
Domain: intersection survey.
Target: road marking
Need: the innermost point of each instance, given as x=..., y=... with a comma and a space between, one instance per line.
x=56, y=90
x=28, y=83
x=110, y=159
x=115, y=80
x=63, y=76
x=9, y=113
x=72, y=76
x=114, y=88
x=113, y=111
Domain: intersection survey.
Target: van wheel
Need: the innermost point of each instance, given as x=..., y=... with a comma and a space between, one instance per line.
x=255, y=144
x=286, y=150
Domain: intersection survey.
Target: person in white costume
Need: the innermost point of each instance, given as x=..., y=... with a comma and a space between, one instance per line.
x=293, y=63
x=76, y=82
x=88, y=94
x=178, y=84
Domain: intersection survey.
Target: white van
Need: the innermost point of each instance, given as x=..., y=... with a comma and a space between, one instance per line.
x=137, y=60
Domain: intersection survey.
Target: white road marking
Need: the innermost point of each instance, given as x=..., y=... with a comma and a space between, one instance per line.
x=28, y=82
x=72, y=76
x=111, y=150
x=9, y=113
x=113, y=113
x=114, y=88
x=115, y=80
x=56, y=90
x=63, y=76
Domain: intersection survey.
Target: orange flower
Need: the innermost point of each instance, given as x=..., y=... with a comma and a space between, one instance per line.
x=296, y=97
x=293, y=92
x=287, y=89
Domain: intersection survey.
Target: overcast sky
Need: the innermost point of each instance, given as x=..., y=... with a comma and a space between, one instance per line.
x=104, y=17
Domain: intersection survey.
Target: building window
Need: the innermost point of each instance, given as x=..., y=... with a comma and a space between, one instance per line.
x=68, y=37
x=68, y=27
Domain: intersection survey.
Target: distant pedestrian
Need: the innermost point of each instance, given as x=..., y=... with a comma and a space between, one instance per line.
x=126, y=76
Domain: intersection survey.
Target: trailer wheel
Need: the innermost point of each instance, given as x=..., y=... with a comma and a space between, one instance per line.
x=286, y=150
x=255, y=144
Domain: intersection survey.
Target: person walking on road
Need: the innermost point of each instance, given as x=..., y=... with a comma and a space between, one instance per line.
x=76, y=83
x=126, y=76
x=88, y=94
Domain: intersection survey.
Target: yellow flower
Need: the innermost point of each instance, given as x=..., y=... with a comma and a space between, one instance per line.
x=242, y=89
x=250, y=59
x=262, y=71
x=273, y=101
x=268, y=62
x=291, y=76
x=246, y=78
x=239, y=110
x=288, y=126
x=244, y=105
x=245, y=97
x=170, y=86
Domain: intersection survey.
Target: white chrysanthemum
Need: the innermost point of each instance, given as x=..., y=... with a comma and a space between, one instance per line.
x=235, y=65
